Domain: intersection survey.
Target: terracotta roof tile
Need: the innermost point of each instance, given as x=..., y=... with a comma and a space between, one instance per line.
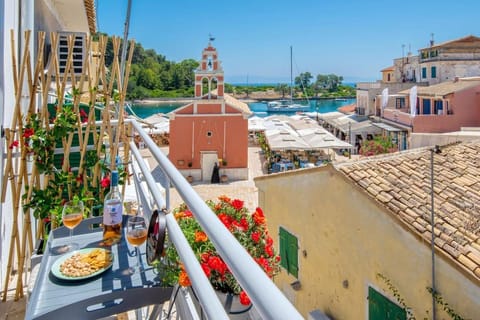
x=401, y=182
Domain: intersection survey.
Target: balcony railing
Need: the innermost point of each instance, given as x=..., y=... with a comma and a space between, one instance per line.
x=268, y=300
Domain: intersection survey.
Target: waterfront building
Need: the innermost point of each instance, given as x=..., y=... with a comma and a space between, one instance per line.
x=355, y=240
x=213, y=129
x=434, y=65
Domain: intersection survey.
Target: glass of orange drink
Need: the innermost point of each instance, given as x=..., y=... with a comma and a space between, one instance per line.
x=72, y=215
x=136, y=235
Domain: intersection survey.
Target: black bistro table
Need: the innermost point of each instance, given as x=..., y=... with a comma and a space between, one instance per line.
x=114, y=291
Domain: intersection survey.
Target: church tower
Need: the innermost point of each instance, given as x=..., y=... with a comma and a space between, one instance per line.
x=209, y=75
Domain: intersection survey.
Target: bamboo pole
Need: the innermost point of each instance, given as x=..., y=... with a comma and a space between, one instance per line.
x=15, y=240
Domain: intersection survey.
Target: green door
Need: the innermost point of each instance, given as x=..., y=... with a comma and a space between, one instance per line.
x=381, y=308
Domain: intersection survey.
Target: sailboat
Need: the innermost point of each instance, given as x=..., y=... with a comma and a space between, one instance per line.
x=286, y=105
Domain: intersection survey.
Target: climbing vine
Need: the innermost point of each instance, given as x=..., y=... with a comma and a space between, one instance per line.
x=446, y=307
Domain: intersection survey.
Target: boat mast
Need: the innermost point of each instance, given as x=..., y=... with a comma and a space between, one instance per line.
x=291, y=75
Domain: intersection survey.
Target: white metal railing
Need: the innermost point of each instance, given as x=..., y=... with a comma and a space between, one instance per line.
x=265, y=296
x=268, y=300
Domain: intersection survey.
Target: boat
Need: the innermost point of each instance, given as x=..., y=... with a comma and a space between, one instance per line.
x=286, y=105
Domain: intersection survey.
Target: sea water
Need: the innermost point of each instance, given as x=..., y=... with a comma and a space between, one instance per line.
x=258, y=108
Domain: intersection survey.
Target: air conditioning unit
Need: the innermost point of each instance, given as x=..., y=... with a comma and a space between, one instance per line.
x=78, y=52
x=317, y=315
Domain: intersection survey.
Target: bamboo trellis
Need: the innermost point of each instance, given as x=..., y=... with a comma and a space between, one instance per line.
x=95, y=88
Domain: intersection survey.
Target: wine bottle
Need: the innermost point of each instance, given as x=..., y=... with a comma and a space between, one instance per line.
x=112, y=212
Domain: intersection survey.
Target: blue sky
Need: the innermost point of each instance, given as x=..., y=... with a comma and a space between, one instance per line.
x=351, y=38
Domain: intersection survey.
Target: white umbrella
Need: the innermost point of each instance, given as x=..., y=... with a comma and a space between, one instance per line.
x=384, y=98
x=413, y=101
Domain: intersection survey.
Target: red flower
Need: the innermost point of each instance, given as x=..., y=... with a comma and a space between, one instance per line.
x=83, y=115
x=187, y=214
x=269, y=250
x=244, y=299
x=28, y=132
x=217, y=264
x=255, y=237
x=206, y=269
x=237, y=204
x=105, y=183
x=13, y=145
x=79, y=178
x=226, y=220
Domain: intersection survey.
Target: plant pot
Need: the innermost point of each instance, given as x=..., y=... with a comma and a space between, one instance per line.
x=233, y=307
x=190, y=179
x=223, y=178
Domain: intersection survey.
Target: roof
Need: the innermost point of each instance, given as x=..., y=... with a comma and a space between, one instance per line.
x=299, y=133
x=349, y=108
x=401, y=183
x=75, y=15
x=445, y=88
x=229, y=100
x=392, y=68
x=469, y=38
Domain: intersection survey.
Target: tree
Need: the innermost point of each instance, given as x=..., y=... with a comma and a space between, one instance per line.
x=303, y=80
x=282, y=88
x=328, y=81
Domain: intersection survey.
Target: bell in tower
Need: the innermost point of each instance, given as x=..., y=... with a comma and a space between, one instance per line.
x=209, y=75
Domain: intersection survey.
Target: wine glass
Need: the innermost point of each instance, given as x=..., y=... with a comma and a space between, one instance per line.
x=72, y=215
x=136, y=235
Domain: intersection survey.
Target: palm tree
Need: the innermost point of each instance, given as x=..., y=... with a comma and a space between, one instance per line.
x=282, y=88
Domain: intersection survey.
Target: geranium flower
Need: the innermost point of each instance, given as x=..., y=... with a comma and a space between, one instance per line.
x=249, y=228
x=105, y=183
x=14, y=144
x=244, y=298
x=28, y=132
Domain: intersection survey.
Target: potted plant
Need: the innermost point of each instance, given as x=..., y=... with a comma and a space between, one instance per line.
x=249, y=229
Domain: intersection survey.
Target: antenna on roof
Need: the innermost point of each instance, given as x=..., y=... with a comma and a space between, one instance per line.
x=431, y=40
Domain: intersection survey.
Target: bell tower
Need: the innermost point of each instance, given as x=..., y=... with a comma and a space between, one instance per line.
x=209, y=75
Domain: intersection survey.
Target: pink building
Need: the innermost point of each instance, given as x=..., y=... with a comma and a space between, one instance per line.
x=212, y=129
x=444, y=107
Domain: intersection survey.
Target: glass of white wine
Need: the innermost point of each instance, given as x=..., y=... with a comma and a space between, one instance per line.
x=136, y=235
x=72, y=215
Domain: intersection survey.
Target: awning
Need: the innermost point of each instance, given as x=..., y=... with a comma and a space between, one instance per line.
x=386, y=127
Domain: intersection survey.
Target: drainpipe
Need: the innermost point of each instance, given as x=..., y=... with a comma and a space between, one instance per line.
x=434, y=150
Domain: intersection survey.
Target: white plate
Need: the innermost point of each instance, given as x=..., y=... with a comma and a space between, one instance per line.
x=56, y=266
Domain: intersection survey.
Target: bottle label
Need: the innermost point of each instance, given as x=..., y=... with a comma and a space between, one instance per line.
x=112, y=214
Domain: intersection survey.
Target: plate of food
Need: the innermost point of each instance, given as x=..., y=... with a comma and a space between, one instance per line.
x=82, y=264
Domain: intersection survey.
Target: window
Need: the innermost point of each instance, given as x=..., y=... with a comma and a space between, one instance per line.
x=400, y=103
x=424, y=73
x=77, y=52
x=289, y=252
x=381, y=308
x=434, y=72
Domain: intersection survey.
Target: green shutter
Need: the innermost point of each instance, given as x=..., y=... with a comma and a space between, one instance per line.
x=293, y=255
x=424, y=73
x=283, y=248
x=434, y=72
x=381, y=308
x=288, y=252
